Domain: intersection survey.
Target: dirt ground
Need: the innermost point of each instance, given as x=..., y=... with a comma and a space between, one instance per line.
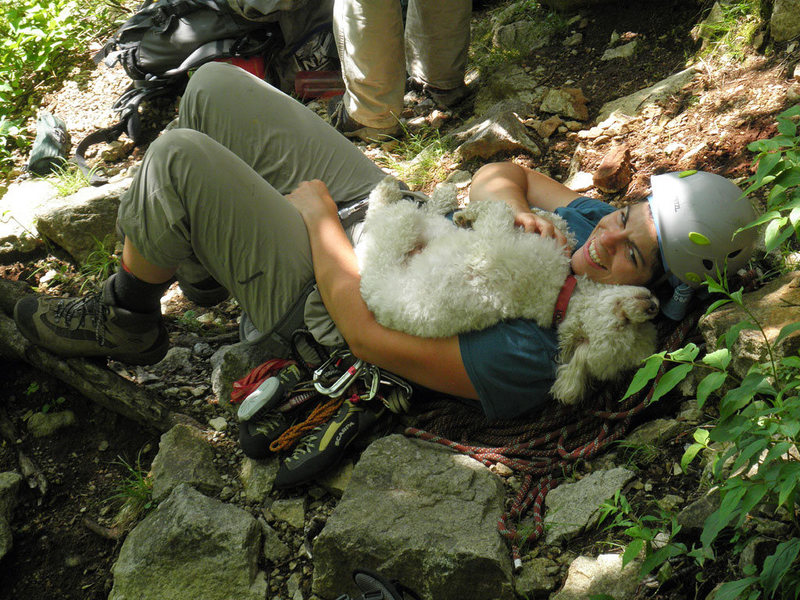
x=62, y=545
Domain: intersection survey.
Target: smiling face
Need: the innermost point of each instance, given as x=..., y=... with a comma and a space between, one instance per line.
x=622, y=249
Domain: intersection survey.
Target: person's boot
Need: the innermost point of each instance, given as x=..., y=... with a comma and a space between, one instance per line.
x=92, y=326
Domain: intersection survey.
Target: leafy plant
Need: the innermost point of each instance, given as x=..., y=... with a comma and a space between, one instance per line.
x=69, y=179
x=56, y=403
x=32, y=388
x=759, y=419
x=100, y=263
x=648, y=533
x=418, y=158
x=41, y=41
x=732, y=28
x=135, y=490
x=778, y=162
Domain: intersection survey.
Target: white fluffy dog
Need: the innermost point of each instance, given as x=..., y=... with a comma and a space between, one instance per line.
x=425, y=275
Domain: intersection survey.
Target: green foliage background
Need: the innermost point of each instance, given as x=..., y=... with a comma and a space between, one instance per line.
x=41, y=44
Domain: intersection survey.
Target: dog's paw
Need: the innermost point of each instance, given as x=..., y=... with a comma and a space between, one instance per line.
x=463, y=219
x=638, y=307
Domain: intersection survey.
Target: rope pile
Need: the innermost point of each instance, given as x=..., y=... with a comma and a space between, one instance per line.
x=539, y=451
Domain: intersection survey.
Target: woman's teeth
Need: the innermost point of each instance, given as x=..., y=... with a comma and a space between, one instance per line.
x=593, y=253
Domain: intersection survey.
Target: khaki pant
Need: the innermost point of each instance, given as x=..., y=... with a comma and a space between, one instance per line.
x=210, y=193
x=370, y=39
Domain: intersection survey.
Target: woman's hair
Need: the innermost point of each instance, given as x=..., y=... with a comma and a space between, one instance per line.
x=659, y=274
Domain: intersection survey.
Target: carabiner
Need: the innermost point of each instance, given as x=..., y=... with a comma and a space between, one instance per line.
x=340, y=385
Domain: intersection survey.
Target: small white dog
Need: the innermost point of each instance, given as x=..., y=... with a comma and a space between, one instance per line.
x=428, y=276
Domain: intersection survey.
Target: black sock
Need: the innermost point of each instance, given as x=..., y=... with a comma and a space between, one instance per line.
x=135, y=295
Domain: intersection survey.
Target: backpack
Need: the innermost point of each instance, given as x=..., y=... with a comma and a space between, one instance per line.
x=166, y=39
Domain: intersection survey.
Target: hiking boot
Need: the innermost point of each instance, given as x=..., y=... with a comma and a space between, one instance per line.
x=206, y=293
x=351, y=128
x=92, y=326
x=325, y=445
x=444, y=99
x=256, y=435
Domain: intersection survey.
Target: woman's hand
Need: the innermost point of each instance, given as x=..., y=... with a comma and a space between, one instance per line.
x=313, y=200
x=533, y=223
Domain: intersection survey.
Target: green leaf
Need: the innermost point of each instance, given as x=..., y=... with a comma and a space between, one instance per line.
x=661, y=556
x=719, y=519
x=716, y=304
x=786, y=331
x=645, y=373
x=775, y=236
x=787, y=487
x=632, y=551
x=733, y=333
x=766, y=164
x=734, y=589
x=670, y=379
x=686, y=354
x=753, y=448
x=719, y=358
x=689, y=454
x=710, y=383
x=777, y=565
x=739, y=397
x=789, y=178
x=790, y=112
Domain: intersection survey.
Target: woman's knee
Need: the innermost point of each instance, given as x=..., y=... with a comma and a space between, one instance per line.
x=212, y=85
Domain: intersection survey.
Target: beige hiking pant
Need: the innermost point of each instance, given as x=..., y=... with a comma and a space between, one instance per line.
x=210, y=193
x=370, y=39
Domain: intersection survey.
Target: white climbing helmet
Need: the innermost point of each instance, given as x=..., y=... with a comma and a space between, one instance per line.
x=696, y=214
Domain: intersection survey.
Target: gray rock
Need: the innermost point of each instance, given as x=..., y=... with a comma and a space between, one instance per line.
x=565, y=102
x=692, y=517
x=707, y=29
x=291, y=511
x=775, y=303
x=258, y=478
x=632, y=104
x=756, y=551
x=78, y=222
x=420, y=513
x=178, y=359
x=293, y=586
x=510, y=83
x=535, y=579
x=624, y=51
x=233, y=362
x=530, y=35
x=655, y=432
x=9, y=488
x=18, y=208
x=46, y=424
x=499, y=131
x=218, y=423
x=573, y=507
x=462, y=179
x=785, y=20
x=570, y=5
x=274, y=549
x=337, y=480
x=184, y=456
x=604, y=575
x=191, y=546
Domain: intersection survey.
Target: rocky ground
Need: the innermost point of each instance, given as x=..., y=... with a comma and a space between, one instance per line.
x=67, y=538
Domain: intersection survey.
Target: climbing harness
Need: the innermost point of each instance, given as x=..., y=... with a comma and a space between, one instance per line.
x=538, y=451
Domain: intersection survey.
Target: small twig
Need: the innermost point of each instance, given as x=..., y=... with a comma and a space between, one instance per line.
x=110, y=533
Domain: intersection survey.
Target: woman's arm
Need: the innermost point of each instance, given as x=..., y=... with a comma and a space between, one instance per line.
x=433, y=362
x=522, y=188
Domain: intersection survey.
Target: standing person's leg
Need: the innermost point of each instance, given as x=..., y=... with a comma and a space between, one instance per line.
x=281, y=139
x=437, y=41
x=369, y=38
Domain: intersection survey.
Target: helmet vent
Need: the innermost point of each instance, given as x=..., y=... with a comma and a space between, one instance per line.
x=708, y=264
x=735, y=253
